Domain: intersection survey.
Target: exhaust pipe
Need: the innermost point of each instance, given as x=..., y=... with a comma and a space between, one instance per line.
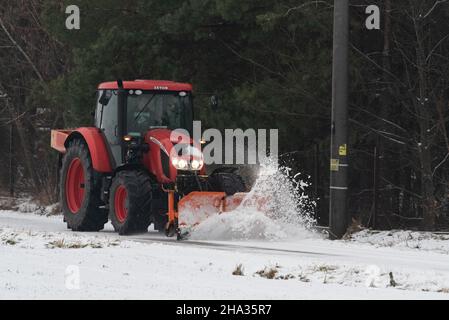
x=121, y=116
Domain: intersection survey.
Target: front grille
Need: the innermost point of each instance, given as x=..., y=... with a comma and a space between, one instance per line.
x=186, y=183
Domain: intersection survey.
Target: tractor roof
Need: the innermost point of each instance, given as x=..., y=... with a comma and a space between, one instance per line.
x=148, y=85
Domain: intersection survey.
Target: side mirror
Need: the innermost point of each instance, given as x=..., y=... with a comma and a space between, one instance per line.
x=214, y=101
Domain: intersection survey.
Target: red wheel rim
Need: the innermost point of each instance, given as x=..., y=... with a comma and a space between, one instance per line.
x=74, y=186
x=121, y=211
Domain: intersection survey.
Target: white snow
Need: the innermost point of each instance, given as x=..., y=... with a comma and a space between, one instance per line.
x=26, y=204
x=280, y=255
x=39, y=257
x=238, y=225
x=405, y=239
x=248, y=224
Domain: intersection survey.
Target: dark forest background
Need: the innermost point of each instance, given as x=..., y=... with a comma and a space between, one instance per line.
x=270, y=63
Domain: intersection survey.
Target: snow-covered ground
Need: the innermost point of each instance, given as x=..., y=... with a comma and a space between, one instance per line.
x=425, y=241
x=41, y=259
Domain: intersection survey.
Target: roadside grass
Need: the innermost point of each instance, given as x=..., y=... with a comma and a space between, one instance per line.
x=10, y=239
x=239, y=270
x=64, y=244
x=268, y=272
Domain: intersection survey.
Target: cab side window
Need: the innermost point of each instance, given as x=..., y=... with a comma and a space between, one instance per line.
x=106, y=115
x=98, y=110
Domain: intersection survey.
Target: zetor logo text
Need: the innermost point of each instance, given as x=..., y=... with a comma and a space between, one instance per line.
x=237, y=146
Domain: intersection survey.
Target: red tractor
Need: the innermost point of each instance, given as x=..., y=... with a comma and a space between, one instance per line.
x=126, y=167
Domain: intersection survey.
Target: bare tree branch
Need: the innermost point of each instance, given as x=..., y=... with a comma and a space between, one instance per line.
x=305, y=5
x=27, y=58
x=436, y=4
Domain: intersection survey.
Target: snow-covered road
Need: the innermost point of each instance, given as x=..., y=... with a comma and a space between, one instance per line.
x=39, y=258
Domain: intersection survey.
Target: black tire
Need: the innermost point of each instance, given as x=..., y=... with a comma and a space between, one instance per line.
x=227, y=182
x=159, y=209
x=138, y=202
x=89, y=217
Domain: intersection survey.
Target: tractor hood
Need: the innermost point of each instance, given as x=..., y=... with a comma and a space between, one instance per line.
x=160, y=138
x=170, y=152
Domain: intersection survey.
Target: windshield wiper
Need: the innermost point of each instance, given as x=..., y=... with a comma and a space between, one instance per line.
x=144, y=107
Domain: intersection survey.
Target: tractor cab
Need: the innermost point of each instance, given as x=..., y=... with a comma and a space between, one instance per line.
x=132, y=108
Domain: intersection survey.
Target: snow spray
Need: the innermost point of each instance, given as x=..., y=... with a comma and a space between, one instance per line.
x=288, y=212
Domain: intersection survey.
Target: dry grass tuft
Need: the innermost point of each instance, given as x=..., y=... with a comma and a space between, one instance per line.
x=238, y=271
x=62, y=244
x=268, y=272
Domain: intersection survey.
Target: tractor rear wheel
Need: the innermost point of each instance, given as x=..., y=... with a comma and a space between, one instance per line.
x=80, y=190
x=130, y=200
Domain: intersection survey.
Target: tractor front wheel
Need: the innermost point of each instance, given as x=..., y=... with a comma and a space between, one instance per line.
x=227, y=181
x=130, y=200
x=80, y=190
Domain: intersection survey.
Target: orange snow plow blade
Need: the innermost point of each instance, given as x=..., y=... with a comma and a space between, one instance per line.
x=198, y=206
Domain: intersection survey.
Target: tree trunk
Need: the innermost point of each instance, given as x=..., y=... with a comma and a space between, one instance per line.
x=385, y=106
x=27, y=153
x=424, y=148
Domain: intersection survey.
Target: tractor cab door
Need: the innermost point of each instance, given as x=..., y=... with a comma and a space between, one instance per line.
x=106, y=119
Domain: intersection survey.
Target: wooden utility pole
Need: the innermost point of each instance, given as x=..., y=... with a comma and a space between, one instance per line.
x=338, y=219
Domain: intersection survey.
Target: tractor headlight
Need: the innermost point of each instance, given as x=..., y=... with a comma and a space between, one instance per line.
x=182, y=164
x=187, y=158
x=179, y=164
x=196, y=165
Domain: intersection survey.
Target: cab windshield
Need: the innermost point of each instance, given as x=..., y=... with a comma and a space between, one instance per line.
x=151, y=110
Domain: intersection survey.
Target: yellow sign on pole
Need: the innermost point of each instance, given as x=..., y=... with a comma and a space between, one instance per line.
x=343, y=150
x=335, y=164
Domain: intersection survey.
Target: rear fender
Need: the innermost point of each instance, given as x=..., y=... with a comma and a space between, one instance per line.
x=94, y=140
